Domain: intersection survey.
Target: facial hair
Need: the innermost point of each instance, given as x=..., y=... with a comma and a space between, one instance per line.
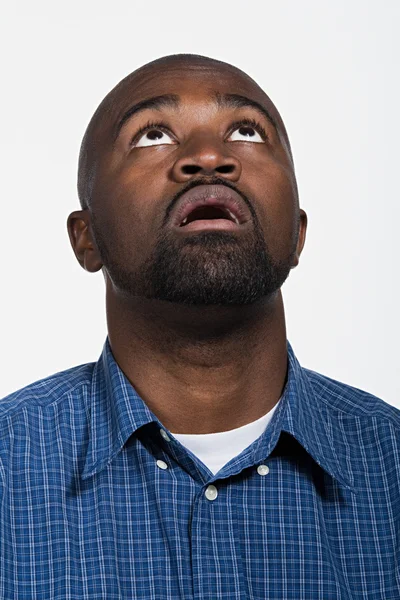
x=204, y=269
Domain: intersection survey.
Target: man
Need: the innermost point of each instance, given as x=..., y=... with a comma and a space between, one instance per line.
x=196, y=459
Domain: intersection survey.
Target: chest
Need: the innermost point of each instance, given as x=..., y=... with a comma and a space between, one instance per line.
x=136, y=530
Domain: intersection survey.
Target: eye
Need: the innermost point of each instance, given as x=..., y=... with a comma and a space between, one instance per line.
x=248, y=130
x=152, y=134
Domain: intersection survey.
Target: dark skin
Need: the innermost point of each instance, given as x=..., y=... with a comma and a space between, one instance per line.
x=201, y=365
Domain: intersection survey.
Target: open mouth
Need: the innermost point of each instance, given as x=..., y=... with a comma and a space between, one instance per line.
x=210, y=213
x=210, y=207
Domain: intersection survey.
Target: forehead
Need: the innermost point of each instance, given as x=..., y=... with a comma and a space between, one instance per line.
x=194, y=84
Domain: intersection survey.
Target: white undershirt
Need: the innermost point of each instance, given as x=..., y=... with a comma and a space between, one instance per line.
x=217, y=449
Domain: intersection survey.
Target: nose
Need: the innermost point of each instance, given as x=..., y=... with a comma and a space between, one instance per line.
x=205, y=155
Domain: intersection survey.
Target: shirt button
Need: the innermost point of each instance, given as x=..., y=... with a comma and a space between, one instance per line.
x=211, y=492
x=162, y=464
x=263, y=470
x=165, y=435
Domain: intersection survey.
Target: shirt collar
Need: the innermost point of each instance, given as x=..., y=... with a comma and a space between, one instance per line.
x=117, y=411
x=314, y=423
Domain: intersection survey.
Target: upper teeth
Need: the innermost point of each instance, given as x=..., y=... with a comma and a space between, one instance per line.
x=233, y=217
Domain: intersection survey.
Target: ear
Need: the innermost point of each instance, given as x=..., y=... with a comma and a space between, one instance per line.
x=78, y=225
x=302, y=237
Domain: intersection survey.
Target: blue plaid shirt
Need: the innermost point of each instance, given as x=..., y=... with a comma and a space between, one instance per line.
x=88, y=509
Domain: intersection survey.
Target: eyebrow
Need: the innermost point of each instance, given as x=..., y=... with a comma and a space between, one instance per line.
x=222, y=101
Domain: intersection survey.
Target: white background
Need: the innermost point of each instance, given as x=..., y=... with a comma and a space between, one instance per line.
x=332, y=69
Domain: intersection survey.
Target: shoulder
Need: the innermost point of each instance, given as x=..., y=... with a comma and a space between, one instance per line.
x=360, y=432
x=345, y=399
x=47, y=391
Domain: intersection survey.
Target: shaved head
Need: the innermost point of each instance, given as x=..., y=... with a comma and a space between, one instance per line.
x=103, y=120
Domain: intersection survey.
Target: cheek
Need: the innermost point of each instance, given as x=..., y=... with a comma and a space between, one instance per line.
x=123, y=222
x=277, y=199
x=137, y=194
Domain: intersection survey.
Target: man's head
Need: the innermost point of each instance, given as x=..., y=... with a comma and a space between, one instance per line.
x=213, y=125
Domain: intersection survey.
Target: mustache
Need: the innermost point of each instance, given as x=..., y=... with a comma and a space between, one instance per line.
x=208, y=181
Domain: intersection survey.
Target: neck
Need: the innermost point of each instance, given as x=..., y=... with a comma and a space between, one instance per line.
x=201, y=369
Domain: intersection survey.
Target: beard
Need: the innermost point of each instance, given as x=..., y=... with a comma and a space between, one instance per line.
x=202, y=269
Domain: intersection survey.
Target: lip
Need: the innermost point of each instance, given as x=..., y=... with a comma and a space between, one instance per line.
x=210, y=195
